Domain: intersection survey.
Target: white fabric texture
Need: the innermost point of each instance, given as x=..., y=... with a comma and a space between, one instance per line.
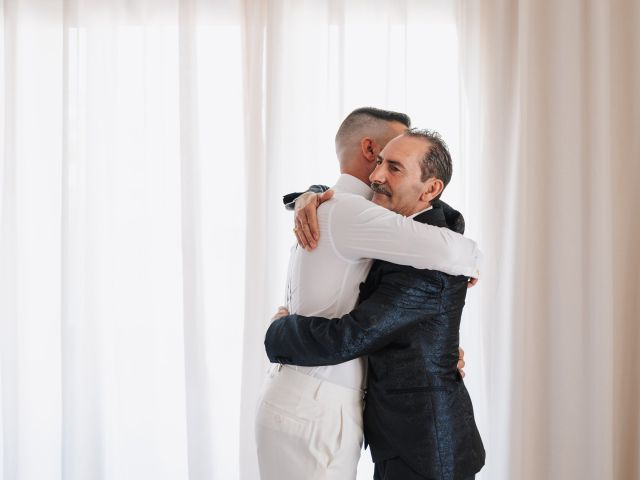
x=307, y=428
x=144, y=147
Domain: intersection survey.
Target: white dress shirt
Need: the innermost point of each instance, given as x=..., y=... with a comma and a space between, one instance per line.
x=353, y=231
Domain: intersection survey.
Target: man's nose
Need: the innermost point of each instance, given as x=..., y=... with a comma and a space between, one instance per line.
x=377, y=175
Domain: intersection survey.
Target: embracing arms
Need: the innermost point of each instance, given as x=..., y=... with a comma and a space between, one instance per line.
x=313, y=341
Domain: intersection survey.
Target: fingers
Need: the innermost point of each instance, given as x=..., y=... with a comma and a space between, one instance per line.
x=300, y=220
x=312, y=225
x=307, y=229
x=461, y=362
x=304, y=205
x=282, y=312
x=472, y=282
x=303, y=233
x=299, y=239
x=312, y=215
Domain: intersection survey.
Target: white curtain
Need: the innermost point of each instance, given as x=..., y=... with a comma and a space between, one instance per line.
x=145, y=149
x=553, y=157
x=122, y=239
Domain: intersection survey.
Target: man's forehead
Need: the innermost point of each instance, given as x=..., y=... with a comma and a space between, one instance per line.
x=405, y=147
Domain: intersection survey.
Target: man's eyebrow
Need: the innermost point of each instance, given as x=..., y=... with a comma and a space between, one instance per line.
x=395, y=163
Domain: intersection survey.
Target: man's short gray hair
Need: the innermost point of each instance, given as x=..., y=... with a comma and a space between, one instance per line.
x=437, y=161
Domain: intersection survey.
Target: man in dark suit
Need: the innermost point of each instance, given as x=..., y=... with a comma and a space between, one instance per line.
x=418, y=417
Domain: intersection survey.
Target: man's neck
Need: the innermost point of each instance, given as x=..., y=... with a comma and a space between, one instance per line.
x=356, y=165
x=363, y=177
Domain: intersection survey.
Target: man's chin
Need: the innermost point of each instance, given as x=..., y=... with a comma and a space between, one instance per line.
x=381, y=199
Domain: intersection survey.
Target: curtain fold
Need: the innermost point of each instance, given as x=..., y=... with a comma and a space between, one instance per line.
x=145, y=147
x=551, y=110
x=256, y=303
x=114, y=317
x=198, y=393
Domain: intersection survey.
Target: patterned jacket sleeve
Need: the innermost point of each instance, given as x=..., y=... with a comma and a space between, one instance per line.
x=289, y=199
x=399, y=301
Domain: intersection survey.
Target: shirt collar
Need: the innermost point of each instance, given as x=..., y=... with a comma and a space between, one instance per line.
x=421, y=211
x=349, y=184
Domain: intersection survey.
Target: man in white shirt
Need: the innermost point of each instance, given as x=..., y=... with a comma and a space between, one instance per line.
x=309, y=419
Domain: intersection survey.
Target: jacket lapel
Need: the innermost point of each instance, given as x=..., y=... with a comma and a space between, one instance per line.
x=434, y=216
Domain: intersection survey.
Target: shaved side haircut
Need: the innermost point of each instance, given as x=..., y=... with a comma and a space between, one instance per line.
x=369, y=122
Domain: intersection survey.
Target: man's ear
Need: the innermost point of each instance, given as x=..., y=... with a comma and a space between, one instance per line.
x=433, y=188
x=369, y=149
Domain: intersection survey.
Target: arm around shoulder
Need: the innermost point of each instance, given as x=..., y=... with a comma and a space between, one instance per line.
x=361, y=230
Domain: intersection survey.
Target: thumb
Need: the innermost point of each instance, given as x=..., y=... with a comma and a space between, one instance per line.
x=325, y=196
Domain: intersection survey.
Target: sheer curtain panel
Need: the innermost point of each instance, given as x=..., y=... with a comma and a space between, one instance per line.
x=554, y=157
x=143, y=244
x=121, y=261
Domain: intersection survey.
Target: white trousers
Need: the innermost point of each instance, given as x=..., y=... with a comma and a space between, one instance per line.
x=307, y=428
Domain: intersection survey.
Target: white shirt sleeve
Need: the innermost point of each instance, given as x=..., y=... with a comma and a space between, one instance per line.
x=360, y=229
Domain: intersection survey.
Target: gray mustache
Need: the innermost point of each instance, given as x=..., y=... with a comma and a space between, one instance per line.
x=378, y=188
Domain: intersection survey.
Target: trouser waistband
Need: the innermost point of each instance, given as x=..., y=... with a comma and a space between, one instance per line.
x=312, y=387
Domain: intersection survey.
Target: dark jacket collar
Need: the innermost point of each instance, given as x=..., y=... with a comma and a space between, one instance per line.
x=442, y=215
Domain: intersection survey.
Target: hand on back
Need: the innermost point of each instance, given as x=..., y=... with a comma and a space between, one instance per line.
x=306, y=226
